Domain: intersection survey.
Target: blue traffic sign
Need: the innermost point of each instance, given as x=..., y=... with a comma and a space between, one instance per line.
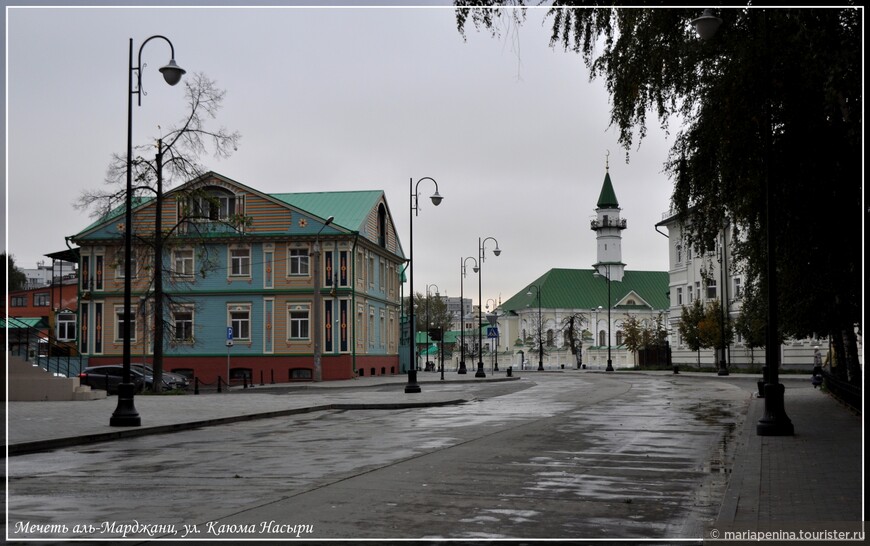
x=492, y=333
x=229, y=333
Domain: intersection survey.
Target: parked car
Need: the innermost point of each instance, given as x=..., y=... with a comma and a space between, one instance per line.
x=171, y=380
x=109, y=377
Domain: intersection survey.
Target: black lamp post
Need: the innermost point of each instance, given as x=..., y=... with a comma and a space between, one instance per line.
x=493, y=321
x=412, y=385
x=609, y=360
x=774, y=422
x=480, y=260
x=723, y=298
x=318, y=304
x=428, y=322
x=540, y=327
x=125, y=414
x=462, y=368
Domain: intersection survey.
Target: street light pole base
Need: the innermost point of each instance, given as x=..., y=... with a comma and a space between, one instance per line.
x=462, y=369
x=540, y=366
x=774, y=422
x=723, y=370
x=480, y=372
x=609, y=367
x=412, y=385
x=125, y=414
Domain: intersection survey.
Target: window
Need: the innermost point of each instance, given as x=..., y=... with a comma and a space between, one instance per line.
x=551, y=338
x=66, y=326
x=679, y=296
x=689, y=293
x=382, y=274
x=602, y=338
x=298, y=262
x=240, y=321
x=698, y=289
x=119, y=324
x=619, y=337
x=183, y=263
x=372, y=326
x=738, y=289
x=371, y=271
x=711, y=289
x=679, y=253
x=299, y=323
x=182, y=320
x=119, y=268
x=18, y=301
x=214, y=205
x=240, y=262
x=382, y=226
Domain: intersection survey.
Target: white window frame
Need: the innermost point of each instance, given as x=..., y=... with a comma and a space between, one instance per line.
x=66, y=323
x=243, y=262
x=175, y=312
x=240, y=309
x=295, y=325
x=179, y=255
x=302, y=260
x=679, y=295
x=134, y=264
x=119, y=321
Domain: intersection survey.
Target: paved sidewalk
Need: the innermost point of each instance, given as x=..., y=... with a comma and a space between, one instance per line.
x=810, y=483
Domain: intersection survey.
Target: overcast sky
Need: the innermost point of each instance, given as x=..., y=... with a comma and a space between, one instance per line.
x=332, y=99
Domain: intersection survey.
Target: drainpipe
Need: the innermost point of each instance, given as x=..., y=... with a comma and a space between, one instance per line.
x=352, y=310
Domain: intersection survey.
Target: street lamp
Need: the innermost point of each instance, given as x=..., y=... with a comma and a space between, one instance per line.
x=540, y=328
x=125, y=414
x=596, y=275
x=412, y=385
x=428, y=323
x=318, y=303
x=774, y=422
x=480, y=260
x=723, y=298
x=462, y=368
x=493, y=321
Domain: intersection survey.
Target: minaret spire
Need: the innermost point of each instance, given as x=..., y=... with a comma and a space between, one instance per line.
x=608, y=227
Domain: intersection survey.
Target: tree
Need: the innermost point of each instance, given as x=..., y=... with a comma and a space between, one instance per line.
x=774, y=98
x=177, y=154
x=689, y=327
x=633, y=335
x=16, y=278
x=751, y=323
x=573, y=335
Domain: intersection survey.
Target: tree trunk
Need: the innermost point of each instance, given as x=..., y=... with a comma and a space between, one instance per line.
x=853, y=367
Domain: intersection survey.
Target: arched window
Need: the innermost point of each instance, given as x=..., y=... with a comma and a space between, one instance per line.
x=619, y=337
x=602, y=338
x=550, y=338
x=382, y=226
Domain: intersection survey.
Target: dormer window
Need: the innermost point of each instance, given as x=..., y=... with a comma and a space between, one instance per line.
x=215, y=204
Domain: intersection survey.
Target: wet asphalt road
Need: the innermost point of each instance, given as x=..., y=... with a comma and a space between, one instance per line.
x=550, y=456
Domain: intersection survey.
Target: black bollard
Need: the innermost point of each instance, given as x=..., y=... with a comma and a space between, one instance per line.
x=219, y=384
x=195, y=385
x=245, y=381
x=510, y=371
x=261, y=378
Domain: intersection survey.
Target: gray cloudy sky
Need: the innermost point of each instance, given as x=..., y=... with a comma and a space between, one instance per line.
x=330, y=99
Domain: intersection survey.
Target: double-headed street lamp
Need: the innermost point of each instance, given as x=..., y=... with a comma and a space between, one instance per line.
x=480, y=260
x=125, y=414
x=540, y=327
x=412, y=385
x=462, y=368
x=318, y=304
x=597, y=274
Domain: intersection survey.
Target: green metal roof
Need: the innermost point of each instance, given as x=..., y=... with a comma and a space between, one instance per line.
x=607, y=199
x=350, y=208
x=23, y=322
x=580, y=289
